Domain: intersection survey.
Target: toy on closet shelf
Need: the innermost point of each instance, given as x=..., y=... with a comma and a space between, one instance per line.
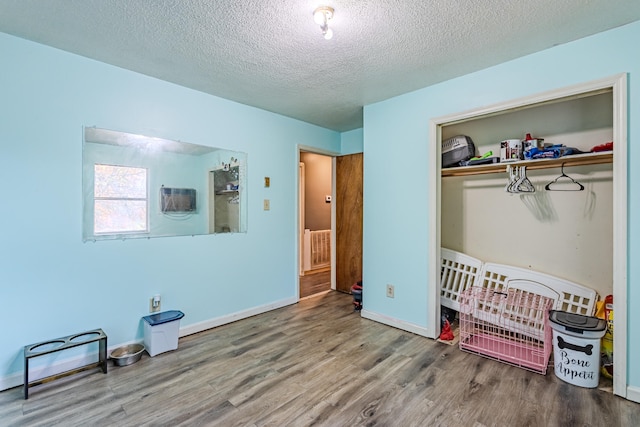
x=607, y=146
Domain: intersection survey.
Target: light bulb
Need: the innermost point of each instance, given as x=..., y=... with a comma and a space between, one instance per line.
x=328, y=34
x=319, y=17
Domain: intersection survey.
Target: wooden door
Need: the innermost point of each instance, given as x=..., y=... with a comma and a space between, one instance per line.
x=348, y=221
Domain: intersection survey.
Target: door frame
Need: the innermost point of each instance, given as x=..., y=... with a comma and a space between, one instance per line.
x=298, y=225
x=618, y=84
x=211, y=202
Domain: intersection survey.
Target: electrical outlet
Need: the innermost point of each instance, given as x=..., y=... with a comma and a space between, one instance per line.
x=154, y=307
x=390, y=291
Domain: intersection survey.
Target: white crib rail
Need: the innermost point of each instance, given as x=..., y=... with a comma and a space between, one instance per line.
x=459, y=272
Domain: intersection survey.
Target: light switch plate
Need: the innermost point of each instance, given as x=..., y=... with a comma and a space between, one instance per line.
x=267, y=205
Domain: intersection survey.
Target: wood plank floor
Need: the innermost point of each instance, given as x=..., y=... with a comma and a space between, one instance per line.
x=314, y=282
x=314, y=363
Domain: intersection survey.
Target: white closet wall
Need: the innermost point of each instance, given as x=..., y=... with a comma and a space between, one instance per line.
x=565, y=234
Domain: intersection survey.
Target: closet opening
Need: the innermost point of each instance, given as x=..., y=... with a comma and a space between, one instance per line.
x=507, y=224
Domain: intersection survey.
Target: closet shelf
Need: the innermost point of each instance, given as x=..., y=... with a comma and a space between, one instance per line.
x=575, y=160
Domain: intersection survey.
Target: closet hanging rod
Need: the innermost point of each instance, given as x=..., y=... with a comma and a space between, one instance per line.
x=575, y=160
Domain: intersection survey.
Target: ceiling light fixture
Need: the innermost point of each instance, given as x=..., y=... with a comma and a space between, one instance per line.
x=322, y=16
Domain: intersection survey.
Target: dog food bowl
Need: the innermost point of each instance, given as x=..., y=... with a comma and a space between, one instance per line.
x=126, y=355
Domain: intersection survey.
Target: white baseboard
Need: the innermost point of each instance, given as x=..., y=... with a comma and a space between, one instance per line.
x=35, y=373
x=397, y=323
x=633, y=393
x=229, y=318
x=11, y=381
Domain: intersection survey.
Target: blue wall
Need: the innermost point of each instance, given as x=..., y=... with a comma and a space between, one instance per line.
x=396, y=210
x=352, y=142
x=53, y=284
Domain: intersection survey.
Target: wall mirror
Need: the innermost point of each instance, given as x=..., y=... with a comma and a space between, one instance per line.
x=137, y=186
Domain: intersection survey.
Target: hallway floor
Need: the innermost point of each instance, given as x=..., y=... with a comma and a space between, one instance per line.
x=315, y=281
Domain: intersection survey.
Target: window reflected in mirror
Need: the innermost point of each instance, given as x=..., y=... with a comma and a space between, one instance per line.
x=120, y=200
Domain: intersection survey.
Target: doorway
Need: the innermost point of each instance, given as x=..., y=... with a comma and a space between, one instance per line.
x=224, y=200
x=316, y=223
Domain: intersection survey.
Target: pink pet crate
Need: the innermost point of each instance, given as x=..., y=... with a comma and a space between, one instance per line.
x=510, y=326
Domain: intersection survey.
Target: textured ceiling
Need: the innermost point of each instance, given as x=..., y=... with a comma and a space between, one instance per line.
x=270, y=54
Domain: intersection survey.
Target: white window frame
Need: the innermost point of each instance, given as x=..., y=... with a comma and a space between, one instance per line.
x=123, y=198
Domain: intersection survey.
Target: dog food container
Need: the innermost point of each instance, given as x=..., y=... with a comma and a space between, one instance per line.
x=576, y=347
x=161, y=331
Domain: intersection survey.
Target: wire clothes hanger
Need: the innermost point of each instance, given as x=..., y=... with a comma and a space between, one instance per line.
x=518, y=181
x=574, y=185
x=523, y=185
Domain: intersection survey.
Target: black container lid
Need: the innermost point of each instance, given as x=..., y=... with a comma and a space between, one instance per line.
x=164, y=317
x=574, y=321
